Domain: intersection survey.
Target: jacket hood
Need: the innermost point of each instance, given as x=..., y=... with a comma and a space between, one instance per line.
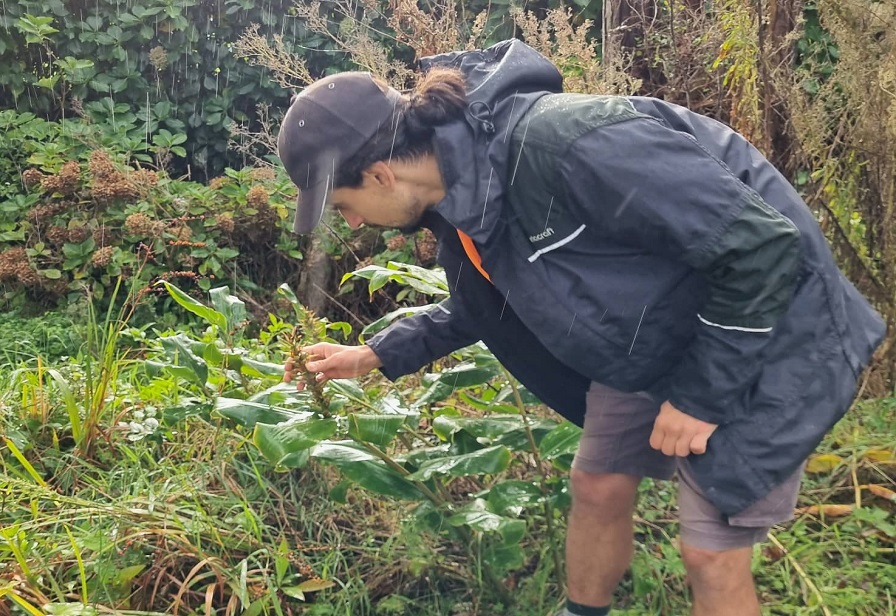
x=503, y=82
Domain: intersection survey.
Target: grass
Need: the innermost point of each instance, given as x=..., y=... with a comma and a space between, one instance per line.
x=185, y=517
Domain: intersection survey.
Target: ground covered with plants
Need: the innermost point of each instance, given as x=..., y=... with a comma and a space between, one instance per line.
x=151, y=459
x=172, y=472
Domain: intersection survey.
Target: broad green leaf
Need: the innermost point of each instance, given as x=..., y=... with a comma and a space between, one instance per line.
x=257, y=368
x=348, y=388
x=287, y=444
x=513, y=496
x=233, y=308
x=477, y=518
x=260, y=409
x=376, y=429
x=341, y=452
x=377, y=477
x=383, y=322
x=504, y=557
x=561, y=441
x=211, y=316
x=486, y=428
x=177, y=348
x=485, y=461
x=463, y=375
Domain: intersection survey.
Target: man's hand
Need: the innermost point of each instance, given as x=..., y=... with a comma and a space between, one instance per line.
x=333, y=361
x=678, y=434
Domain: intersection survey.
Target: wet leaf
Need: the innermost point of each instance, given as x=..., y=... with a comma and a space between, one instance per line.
x=376, y=429
x=562, y=440
x=287, y=444
x=485, y=461
x=209, y=315
x=823, y=463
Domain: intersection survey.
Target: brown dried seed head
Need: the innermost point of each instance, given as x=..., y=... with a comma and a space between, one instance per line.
x=158, y=57
x=32, y=177
x=144, y=179
x=261, y=174
x=57, y=235
x=102, y=257
x=257, y=197
x=78, y=234
x=26, y=274
x=138, y=224
x=101, y=165
x=427, y=246
x=225, y=222
x=182, y=233
x=9, y=262
x=219, y=182
x=396, y=242
x=42, y=213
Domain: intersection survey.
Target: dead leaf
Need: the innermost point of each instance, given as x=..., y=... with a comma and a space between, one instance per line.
x=828, y=511
x=880, y=455
x=315, y=584
x=883, y=492
x=823, y=463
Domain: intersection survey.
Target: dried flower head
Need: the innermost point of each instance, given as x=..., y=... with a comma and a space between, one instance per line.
x=139, y=225
x=101, y=166
x=219, y=182
x=57, y=235
x=427, y=247
x=225, y=222
x=32, y=177
x=9, y=262
x=102, y=257
x=262, y=174
x=41, y=213
x=143, y=180
x=257, y=197
x=181, y=233
x=158, y=57
x=26, y=274
x=396, y=242
x=78, y=234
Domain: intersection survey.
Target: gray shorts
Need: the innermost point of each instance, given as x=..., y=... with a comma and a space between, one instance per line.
x=615, y=439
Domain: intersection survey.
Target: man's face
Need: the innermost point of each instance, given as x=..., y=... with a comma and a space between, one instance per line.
x=378, y=202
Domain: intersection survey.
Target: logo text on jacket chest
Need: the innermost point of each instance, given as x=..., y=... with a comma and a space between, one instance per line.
x=543, y=235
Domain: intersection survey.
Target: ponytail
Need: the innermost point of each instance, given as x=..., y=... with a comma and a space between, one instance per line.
x=439, y=98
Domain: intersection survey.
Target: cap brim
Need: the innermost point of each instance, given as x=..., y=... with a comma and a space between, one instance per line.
x=310, y=207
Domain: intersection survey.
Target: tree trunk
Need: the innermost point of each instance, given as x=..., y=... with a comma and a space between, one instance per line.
x=776, y=54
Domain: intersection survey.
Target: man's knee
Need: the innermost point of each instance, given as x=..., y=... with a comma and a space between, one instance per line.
x=611, y=493
x=717, y=568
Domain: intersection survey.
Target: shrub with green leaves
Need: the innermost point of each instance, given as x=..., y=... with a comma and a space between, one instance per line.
x=84, y=220
x=51, y=336
x=147, y=66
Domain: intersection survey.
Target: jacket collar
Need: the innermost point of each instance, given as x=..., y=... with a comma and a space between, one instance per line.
x=503, y=82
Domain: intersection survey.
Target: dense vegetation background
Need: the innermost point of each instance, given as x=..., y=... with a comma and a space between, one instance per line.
x=151, y=287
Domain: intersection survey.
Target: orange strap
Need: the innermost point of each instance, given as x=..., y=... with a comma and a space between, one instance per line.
x=470, y=249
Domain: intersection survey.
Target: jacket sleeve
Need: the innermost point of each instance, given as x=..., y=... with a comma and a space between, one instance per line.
x=412, y=342
x=657, y=189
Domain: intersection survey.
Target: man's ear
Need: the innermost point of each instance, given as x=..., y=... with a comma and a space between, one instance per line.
x=379, y=174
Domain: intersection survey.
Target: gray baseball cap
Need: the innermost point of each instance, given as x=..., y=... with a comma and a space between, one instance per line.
x=327, y=124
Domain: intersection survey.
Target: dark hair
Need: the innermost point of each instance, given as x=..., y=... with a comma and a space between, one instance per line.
x=439, y=98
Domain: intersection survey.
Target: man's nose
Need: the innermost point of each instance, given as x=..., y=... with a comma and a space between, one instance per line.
x=354, y=221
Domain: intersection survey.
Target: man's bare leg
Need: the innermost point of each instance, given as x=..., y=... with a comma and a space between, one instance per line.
x=721, y=582
x=599, y=542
